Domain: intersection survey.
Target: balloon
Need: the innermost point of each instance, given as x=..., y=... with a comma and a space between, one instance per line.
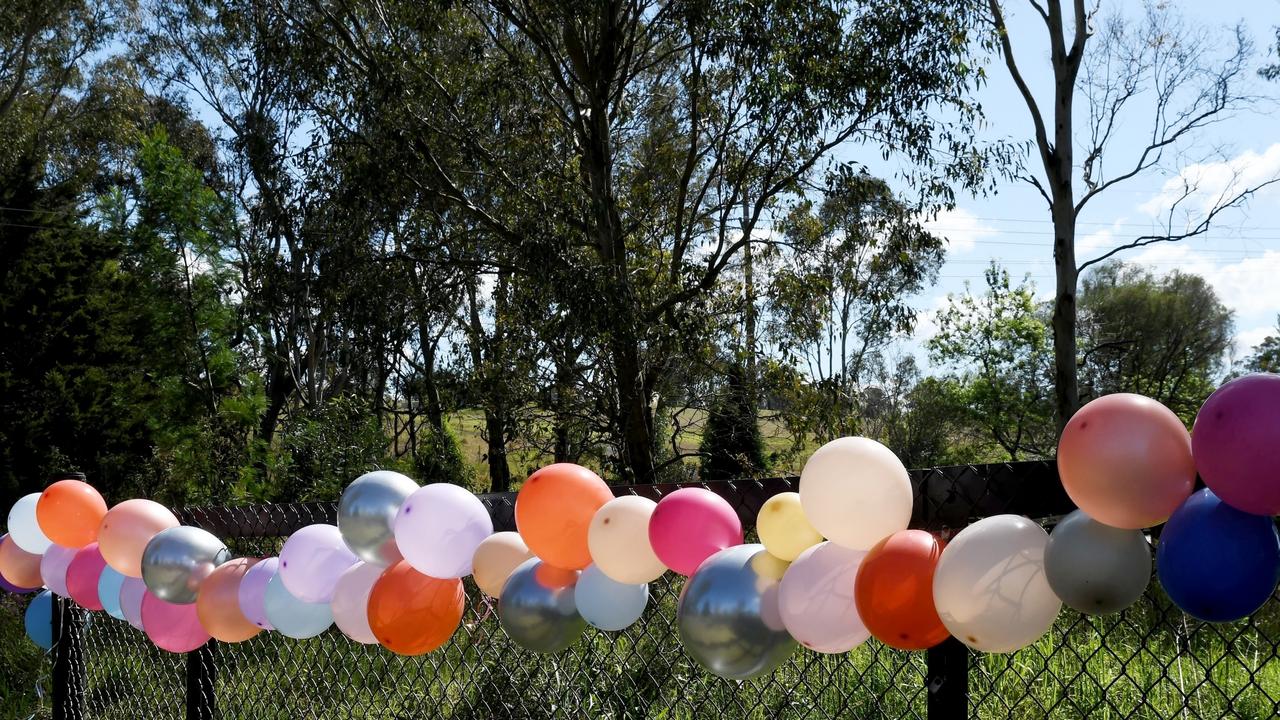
x=495, y=558
x=411, y=613
x=1126, y=461
x=690, y=525
x=218, y=606
x=536, y=615
x=1218, y=563
x=1095, y=568
x=728, y=616
x=439, y=528
x=894, y=591
x=17, y=566
x=53, y=568
x=132, y=591
x=816, y=599
x=618, y=539
x=177, y=560
x=855, y=492
x=83, y=573
x=23, y=527
x=606, y=603
x=253, y=591
x=1234, y=443
x=69, y=513
x=989, y=587
x=172, y=626
x=109, y=584
x=366, y=512
x=350, y=603
x=553, y=513
x=292, y=617
x=127, y=528
x=38, y=620
x=10, y=587
x=311, y=561
x=784, y=530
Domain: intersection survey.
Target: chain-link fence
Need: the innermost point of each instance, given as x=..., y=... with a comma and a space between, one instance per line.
x=1150, y=661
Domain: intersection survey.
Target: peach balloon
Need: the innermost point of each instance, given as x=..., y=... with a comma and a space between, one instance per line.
x=69, y=513
x=619, y=541
x=127, y=528
x=553, y=513
x=495, y=559
x=218, y=603
x=1125, y=460
x=18, y=566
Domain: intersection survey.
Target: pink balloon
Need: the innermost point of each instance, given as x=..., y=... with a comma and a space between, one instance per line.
x=53, y=568
x=816, y=599
x=132, y=590
x=1234, y=442
x=311, y=561
x=350, y=603
x=82, y=577
x=171, y=627
x=253, y=591
x=690, y=525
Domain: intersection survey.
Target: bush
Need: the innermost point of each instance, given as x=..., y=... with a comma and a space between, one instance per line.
x=731, y=444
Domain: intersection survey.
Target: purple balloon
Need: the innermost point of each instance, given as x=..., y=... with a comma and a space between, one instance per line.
x=10, y=587
x=439, y=528
x=132, y=590
x=312, y=560
x=253, y=590
x=1234, y=443
x=53, y=568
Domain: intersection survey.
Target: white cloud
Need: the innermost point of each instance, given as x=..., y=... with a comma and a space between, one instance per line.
x=1247, y=340
x=1247, y=286
x=1212, y=183
x=961, y=228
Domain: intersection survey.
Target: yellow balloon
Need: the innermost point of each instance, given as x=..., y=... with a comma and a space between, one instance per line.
x=784, y=530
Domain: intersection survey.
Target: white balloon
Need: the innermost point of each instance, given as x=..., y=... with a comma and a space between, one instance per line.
x=990, y=587
x=23, y=528
x=618, y=539
x=855, y=492
x=816, y=599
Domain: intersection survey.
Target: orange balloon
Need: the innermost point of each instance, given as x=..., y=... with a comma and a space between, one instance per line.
x=894, y=591
x=554, y=578
x=411, y=613
x=69, y=513
x=1125, y=460
x=554, y=510
x=19, y=567
x=218, y=603
x=127, y=528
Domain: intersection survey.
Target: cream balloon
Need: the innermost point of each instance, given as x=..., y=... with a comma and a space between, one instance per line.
x=784, y=530
x=618, y=539
x=495, y=559
x=855, y=492
x=990, y=587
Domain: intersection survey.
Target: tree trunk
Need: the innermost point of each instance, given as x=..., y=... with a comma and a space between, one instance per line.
x=1066, y=387
x=749, y=321
x=635, y=415
x=496, y=435
x=430, y=389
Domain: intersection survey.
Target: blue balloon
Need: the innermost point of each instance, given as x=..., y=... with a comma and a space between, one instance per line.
x=606, y=603
x=39, y=620
x=1218, y=563
x=109, y=583
x=290, y=616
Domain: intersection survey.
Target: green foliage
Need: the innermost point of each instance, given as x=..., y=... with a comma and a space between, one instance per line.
x=439, y=459
x=1266, y=355
x=324, y=448
x=731, y=443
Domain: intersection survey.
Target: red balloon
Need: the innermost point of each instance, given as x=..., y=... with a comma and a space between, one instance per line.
x=894, y=591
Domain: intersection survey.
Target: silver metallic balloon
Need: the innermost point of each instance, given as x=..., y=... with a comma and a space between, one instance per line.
x=1096, y=568
x=178, y=559
x=728, y=615
x=537, y=608
x=368, y=506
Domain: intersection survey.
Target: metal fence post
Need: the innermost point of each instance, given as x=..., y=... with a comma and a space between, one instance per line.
x=68, y=660
x=200, y=671
x=947, y=680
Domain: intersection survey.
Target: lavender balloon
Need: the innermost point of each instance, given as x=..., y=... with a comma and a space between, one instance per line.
x=439, y=528
x=253, y=591
x=132, y=591
x=53, y=568
x=1234, y=443
x=311, y=562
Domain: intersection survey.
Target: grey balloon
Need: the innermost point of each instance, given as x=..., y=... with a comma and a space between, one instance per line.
x=177, y=560
x=728, y=616
x=1095, y=568
x=368, y=507
x=536, y=616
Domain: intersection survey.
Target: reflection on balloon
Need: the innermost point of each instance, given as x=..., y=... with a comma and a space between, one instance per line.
x=411, y=613
x=127, y=528
x=784, y=530
x=217, y=603
x=253, y=592
x=83, y=574
x=17, y=566
x=38, y=620
x=439, y=528
x=53, y=568
x=109, y=584
x=690, y=525
x=1235, y=439
x=816, y=599
x=366, y=512
x=894, y=591
x=292, y=617
x=350, y=603
x=495, y=559
x=536, y=616
x=132, y=591
x=619, y=540
x=855, y=492
x=24, y=528
x=311, y=561
x=172, y=626
x=69, y=513
x=177, y=560
x=728, y=616
x=606, y=603
x=554, y=509
x=1095, y=568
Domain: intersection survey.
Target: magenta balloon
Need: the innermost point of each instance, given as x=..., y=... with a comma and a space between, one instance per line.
x=690, y=525
x=253, y=591
x=53, y=568
x=312, y=560
x=1234, y=443
x=350, y=603
x=172, y=627
x=132, y=591
x=82, y=577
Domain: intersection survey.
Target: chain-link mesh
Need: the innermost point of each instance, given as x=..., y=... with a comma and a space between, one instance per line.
x=1150, y=661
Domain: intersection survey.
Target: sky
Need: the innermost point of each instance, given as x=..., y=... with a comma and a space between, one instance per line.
x=1239, y=256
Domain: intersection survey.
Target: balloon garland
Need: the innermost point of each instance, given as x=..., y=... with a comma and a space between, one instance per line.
x=836, y=564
